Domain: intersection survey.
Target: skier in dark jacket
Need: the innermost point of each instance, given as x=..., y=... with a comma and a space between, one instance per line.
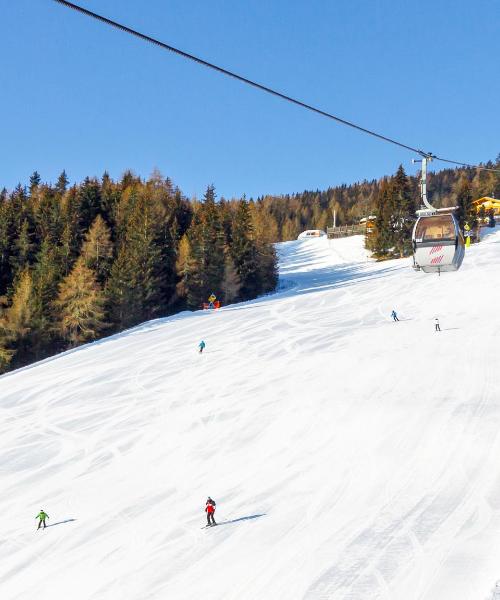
x=394, y=316
x=210, y=509
x=42, y=515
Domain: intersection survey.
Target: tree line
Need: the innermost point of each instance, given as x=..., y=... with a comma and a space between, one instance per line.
x=83, y=261
x=288, y=215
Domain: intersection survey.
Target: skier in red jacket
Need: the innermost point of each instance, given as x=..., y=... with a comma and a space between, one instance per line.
x=210, y=509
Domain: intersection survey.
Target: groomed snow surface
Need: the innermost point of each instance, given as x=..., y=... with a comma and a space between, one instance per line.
x=351, y=457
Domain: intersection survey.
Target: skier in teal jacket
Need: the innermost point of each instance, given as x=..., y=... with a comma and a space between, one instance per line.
x=201, y=346
x=42, y=515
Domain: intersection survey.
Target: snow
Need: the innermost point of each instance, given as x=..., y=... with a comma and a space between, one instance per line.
x=350, y=457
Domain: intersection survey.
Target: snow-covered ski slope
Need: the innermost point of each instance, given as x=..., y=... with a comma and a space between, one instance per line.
x=350, y=457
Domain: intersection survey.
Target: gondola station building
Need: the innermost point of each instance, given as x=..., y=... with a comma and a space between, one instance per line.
x=488, y=203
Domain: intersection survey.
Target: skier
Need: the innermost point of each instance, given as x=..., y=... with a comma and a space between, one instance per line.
x=394, y=316
x=210, y=509
x=42, y=515
x=201, y=346
x=436, y=325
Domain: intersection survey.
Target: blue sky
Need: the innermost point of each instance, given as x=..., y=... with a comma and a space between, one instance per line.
x=80, y=96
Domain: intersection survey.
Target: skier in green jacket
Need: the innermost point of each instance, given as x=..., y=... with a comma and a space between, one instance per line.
x=42, y=515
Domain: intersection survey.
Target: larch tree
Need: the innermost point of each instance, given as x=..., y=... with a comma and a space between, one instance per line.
x=183, y=267
x=79, y=306
x=97, y=249
x=16, y=321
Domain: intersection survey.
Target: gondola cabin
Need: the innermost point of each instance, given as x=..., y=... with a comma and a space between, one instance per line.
x=438, y=243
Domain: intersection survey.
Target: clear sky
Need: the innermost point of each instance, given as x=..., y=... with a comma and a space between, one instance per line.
x=78, y=95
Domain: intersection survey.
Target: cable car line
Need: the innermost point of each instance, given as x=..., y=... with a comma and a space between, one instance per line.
x=454, y=162
x=254, y=84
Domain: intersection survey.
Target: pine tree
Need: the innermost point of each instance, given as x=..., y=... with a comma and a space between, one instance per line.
x=22, y=248
x=79, y=306
x=382, y=240
x=45, y=276
x=121, y=293
x=402, y=210
x=206, y=238
x=89, y=200
x=65, y=255
x=213, y=245
x=135, y=288
x=244, y=253
x=62, y=183
x=34, y=181
x=194, y=276
x=466, y=212
x=268, y=267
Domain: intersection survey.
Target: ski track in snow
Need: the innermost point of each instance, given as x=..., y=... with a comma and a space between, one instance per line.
x=350, y=457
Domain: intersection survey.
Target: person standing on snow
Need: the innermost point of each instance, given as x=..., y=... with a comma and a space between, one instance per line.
x=210, y=509
x=394, y=316
x=436, y=325
x=201, y=346
x=42, y=515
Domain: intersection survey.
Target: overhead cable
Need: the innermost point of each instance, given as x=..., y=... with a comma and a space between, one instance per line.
x=254, y=84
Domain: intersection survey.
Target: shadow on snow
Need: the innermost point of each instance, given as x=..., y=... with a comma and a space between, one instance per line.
x=249, y=518
x=60, y=522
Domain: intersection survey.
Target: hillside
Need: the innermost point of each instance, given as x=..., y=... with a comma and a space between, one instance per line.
x=350, y=457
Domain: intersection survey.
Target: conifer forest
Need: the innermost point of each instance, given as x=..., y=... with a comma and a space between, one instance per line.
x=81, y=262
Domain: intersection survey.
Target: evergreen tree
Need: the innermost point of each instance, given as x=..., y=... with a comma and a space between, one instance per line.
x=244, y=253
x=268, y=268
x=89, y=200
x=194, y=277
x=22, y=248
x=134, y=287
x=206, y=237
x=65, y=255
x=62, y=183
x=381, y=241
x=213, y=245
x=79, y=306
x=466, y=212
x=121, y=293
x=402, y=210
x=34, y=181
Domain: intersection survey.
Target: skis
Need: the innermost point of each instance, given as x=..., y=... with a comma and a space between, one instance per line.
x=207, y=526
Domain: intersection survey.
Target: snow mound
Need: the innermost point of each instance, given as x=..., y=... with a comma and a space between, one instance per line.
x=350, y=457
